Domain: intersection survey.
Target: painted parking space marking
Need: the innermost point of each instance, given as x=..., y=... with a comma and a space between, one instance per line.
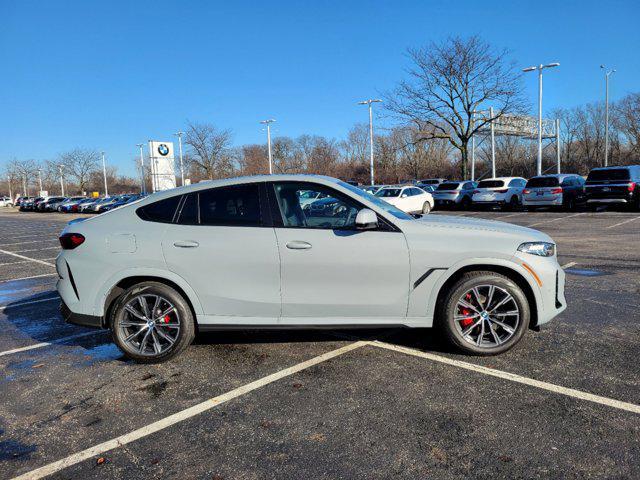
x=30, y=241
x=24, y=261
x=550, y=387
x=27, y=258
x=183, y=414
x=29, y=278
x=21, y=304
x=622, y=223
x=557, y=219
x=52, y=342
x=57, y=247
x=569, y=265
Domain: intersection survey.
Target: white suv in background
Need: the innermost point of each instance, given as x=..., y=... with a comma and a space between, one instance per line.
x=407, y=199
x=505, y=192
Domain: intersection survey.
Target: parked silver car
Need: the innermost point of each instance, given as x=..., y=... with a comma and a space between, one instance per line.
x=454, y=194
x=244, y=253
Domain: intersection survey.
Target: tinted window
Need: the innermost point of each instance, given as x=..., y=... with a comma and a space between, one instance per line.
x=237, y=205
x=448, y=186
x=160, y=211
x=388, y=192
x=189, y=211
x=491, y=184
x=538, y=182
x=332, y=211
x=608, y=174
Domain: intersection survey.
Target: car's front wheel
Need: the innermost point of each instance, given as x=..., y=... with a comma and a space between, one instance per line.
x=484, y=313
x=151, y=322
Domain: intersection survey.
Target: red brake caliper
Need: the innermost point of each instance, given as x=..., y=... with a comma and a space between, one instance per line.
x=465, y=322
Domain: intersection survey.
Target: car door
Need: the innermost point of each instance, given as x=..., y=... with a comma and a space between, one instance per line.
x=221, y=245
x=333, y=273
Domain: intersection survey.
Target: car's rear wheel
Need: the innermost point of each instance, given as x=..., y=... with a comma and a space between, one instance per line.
x=426, y=208
x=484, y=313
x=151, y=323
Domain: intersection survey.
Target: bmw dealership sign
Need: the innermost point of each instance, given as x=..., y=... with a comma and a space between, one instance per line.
x=163, y=176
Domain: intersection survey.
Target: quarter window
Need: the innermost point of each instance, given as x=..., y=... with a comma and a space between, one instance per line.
x=189, y=211
x=161, y=211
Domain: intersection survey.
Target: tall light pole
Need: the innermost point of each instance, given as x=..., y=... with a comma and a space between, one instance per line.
x=104, y=172
x=40, y=179
x=606, y=113
x=142, y=187
x=369, y=102
x=179, y=135
x=539, y=68
x=268, y=123
x=10, y=191
x=60, y=167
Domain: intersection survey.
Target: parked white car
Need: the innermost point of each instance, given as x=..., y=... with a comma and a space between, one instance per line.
x=244, y=253
x=407, y=199
x=6, y=202
x=505, y=192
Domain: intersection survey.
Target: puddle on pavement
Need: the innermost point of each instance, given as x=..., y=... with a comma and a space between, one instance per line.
x=585, y=273
x=101, y=353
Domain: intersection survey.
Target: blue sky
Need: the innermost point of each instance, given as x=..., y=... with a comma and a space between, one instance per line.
x=109, y=75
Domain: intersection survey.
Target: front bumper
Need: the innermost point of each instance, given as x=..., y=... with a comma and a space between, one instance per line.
x=79, y=318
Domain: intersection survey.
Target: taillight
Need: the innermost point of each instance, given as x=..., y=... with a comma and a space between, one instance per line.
x=69, y=241
x=526, y=191
x=504, y=190
x=556, y=191
x=631, y=187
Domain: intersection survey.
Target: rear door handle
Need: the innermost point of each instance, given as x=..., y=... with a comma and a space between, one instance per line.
x=186, y=244
x=298, y=245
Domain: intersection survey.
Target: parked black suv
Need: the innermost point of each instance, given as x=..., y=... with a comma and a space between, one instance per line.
x=614, y=185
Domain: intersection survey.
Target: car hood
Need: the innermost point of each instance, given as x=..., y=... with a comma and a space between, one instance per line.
x=466, y=223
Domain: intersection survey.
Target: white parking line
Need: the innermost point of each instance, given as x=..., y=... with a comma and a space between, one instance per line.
x=511, y=215
x=27, y=258
x=556, y=219
x=569, y=265
x=23, y=261
x=53, y=342
x=12, y=305
x=30, y=241
x=622, y=223
x=57, y=247
x=183, y=415
x=570, y=392
x=29, y=278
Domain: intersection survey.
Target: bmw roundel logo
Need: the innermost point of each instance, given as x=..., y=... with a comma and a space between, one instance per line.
x=163, y=149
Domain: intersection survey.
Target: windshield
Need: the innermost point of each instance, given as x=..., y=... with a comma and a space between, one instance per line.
x=388, y=192
x=538, y=182
x=387, y=207
x=448, y=186
x=491, y=184
x=608, y=174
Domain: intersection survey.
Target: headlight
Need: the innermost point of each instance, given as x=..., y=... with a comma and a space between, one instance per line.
x=542, y=249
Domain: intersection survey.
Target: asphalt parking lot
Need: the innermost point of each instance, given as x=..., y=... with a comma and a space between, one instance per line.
x=564, y=403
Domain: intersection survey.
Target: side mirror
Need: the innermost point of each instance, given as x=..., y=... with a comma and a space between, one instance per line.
x=366, y=219
x=404, y=195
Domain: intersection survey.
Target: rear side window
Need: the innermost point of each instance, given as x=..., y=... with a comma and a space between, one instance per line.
x=448, y=186
x=539, y=182
x=231, y=206
x=608, y=174
x=189, y=212
x=161, y=211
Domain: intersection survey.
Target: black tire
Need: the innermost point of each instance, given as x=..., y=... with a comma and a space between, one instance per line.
x=570, y=204
x=426, y=208
x=465, y=203
x=184, y=317
x=445, y=312
x=513, y=204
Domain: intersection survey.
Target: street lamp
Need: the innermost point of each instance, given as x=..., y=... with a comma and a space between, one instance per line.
x=60, y=167
x=369, y=102
x=142, y=187
x=539, y=68
x=104, y=172
x=267, y=123
x=606, y=113
x=179, y=135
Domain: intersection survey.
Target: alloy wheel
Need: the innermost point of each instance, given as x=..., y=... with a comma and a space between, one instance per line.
x=487, y=316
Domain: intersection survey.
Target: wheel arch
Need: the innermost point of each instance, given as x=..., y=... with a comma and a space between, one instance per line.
x=507, y=271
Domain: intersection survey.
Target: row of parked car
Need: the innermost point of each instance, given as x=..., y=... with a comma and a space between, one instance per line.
x=603, y=186
x=77, y=204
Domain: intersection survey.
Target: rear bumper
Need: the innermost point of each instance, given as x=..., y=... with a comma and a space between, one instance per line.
x=79, y=318
x=607, y=200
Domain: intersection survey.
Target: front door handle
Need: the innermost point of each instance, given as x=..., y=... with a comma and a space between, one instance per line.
x=186, y=244
x=298, y=245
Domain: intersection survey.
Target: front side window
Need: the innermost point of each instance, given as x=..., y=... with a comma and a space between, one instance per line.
x=388, y=193
x=237, y=205
x=331, y=211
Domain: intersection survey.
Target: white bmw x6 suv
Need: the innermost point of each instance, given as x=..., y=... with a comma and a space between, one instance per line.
x=245, y=253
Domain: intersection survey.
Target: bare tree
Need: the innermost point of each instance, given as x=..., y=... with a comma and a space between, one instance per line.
x=627, y=120
x=23, y=171
x=209, y=149
x=447, y=82
x=79, y=164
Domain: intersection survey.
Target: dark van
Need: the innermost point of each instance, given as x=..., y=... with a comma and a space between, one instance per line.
x=614, y=185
